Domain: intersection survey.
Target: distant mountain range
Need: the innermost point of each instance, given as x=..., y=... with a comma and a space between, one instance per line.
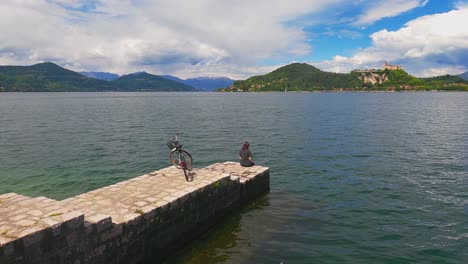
x=464, y=75
x=148, y=82
x=106, y=76
x=200, y=83
x=204, y=83
x=305, y=77
x=49, y=77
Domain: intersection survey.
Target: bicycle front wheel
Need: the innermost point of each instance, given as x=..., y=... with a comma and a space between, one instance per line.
x=188, y=176
x=178, y=157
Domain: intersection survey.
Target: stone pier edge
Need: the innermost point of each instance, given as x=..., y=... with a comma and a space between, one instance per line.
x=120, y=229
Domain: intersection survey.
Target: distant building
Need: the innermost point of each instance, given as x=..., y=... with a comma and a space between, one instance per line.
x=374, y=76
x=391, y=67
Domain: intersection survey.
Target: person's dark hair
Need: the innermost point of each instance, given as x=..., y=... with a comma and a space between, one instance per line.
x=245, y=145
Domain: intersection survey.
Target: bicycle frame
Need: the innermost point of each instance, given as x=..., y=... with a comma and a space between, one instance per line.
x=183, y=160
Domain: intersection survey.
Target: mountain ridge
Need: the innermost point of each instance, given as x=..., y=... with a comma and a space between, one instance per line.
x=46, y=76
x=143, y=81
x=464, y=75
x=204, y=83
x=297, y=77
x=50, y=77
x=106, y=76
x=201, y=83
x=305, y=77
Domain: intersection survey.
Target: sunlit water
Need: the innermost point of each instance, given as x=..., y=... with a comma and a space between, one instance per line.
x=355, y=177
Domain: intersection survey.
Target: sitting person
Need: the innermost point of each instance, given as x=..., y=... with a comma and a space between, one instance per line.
x=245, y=156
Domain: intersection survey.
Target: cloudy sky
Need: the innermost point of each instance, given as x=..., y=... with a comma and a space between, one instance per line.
x=237, y=39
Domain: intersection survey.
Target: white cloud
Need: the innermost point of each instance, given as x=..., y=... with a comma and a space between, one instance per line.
x=424, y=46
x=156, y=36
x=387, y=8
x=430, y=72
x=217, y=38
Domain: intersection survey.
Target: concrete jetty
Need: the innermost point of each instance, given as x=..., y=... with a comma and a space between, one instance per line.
x=144, y=218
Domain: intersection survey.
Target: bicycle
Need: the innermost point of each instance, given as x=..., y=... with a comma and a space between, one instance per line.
x=180, y=158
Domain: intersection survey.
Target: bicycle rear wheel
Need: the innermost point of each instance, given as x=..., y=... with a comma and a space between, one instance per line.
x=178, y=156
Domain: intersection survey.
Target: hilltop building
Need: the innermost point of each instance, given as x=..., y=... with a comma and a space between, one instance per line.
x=391, y=67
x=374, y=76
x=385, y=66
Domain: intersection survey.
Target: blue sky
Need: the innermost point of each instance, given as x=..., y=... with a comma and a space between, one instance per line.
x=237, y=39
x=346, y=38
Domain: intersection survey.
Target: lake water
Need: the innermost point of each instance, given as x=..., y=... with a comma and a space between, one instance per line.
x=355, y=177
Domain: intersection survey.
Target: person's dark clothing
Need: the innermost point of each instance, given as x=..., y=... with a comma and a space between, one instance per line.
x=244, y=161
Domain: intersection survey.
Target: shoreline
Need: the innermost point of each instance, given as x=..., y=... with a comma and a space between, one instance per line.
x=315, y=91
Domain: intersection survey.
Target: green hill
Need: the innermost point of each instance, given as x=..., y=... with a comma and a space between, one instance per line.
x=305, y=77
x=49, y=77
x=400, y=77
x=298, y=77
x=446, y=82
x=46, y=77
x=444, y=79
x=148, y=82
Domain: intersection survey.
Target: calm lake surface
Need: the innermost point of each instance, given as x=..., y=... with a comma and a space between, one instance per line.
x=355, y=177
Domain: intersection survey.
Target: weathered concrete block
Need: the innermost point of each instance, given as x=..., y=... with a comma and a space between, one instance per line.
x=7, y=247
x=100, y=221
x=122, y=223
x=72, y=238
x=111, y=233
x=54, y=226
x=73, y=220
x=32, y=235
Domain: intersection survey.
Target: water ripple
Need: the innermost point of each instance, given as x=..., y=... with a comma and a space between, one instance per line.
x=355, y=177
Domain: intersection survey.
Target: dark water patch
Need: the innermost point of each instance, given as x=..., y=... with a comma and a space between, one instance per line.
x=437, y=255
x=390, y=237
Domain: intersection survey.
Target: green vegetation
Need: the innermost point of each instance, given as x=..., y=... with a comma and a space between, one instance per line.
x=298, y=77
x=46, y=77
x=148, y=82
x=55, y=214
x=139, y=211
x=444, y=83
x=400, y=77
x=49, y=77
x=304, y=77
x=444, y=79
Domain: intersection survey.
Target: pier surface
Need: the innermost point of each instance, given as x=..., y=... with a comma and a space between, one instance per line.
x=125, y=222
